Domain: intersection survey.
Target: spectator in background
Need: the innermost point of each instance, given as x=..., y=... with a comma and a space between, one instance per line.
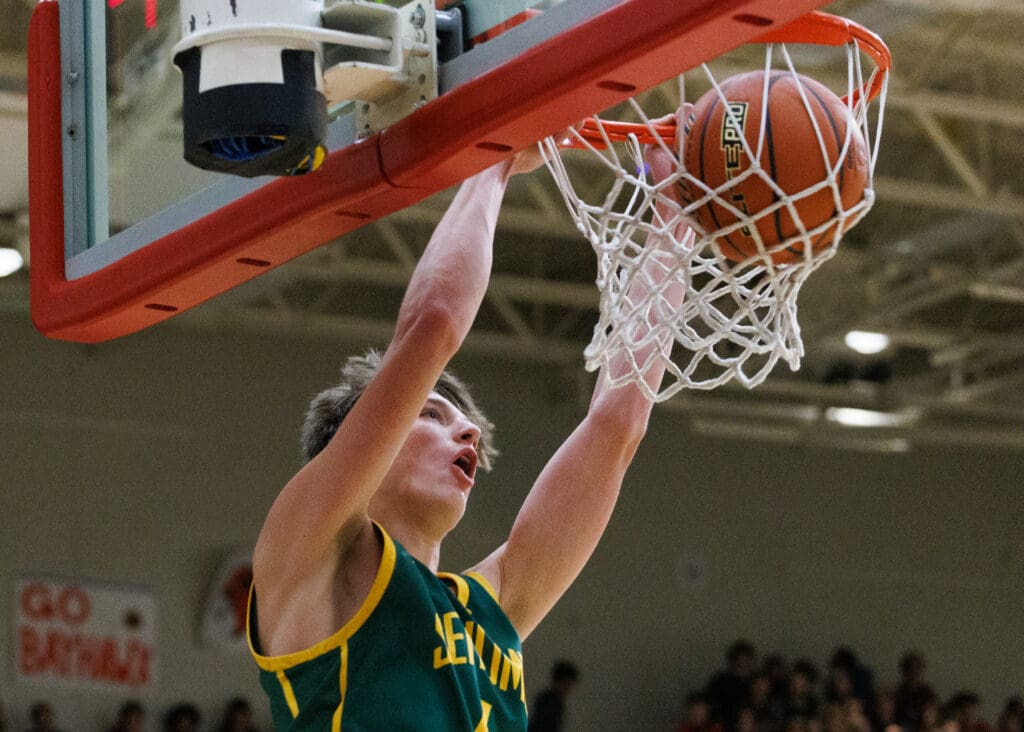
x=182, y=718
x=131, y=717
x=746, y=721
x=847, y=717
x=802, y=701
x=839, y=694
x=3, y=719
x=237, y=717
x=727, y=691
x=963, y=708
x=838, y=686
x=768, y=709
x=548, y=711
x=42, y=718
x=833, y=719
x=861, y=678
x=777, y=671
x=697, y=715
x=800, y=724
x=1011, y=719
x=913, y=692
x=932, y=719
x=857, y=715
x=883, y=712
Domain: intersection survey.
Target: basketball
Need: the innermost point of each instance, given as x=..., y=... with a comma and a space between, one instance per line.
x=791, y=155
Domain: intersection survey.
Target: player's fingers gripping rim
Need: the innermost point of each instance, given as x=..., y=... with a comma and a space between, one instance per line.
x=662, y=158
x=683, y=115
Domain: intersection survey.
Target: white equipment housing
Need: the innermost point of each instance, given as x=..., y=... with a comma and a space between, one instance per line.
x=381, y=56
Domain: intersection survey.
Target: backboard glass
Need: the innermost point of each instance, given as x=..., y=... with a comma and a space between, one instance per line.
x=125, y=234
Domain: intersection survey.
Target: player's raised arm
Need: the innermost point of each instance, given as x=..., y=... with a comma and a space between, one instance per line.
x=570, y=503
x=323, y=509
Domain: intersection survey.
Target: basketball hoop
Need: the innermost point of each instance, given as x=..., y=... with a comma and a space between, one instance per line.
x=737, y=318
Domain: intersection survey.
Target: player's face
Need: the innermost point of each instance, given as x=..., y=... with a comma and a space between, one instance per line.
x=438, y=462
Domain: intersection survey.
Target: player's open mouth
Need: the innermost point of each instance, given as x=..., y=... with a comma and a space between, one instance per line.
x=466, y=462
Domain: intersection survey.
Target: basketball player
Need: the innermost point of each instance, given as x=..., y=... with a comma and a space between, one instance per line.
x=349, y=622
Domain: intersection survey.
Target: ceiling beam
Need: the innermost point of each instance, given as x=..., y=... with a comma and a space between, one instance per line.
x=951, y=105
x=377, y=272
x=992, y=7
x=949, y=150
x=958, y=106
x=931, y=195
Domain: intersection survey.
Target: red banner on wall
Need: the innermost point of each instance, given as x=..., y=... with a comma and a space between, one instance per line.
x=227, y=600
x=84, y=634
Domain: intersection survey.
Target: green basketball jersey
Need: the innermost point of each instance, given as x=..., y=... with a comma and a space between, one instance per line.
x=425, y=652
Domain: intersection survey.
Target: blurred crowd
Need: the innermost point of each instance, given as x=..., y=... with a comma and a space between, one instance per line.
x=778, y=695
x=749, y=694
x=132, y=716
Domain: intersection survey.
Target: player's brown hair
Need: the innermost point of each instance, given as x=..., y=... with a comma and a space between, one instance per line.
x=329, y=408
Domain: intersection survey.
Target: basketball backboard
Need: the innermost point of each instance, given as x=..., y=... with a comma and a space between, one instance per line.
x=117, y=246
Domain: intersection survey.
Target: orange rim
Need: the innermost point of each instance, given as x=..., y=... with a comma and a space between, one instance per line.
x=817, y=28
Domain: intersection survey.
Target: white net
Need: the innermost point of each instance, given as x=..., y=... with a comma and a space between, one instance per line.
x=737, y=316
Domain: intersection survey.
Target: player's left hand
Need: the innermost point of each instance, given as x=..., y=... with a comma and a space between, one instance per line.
x=665, y=162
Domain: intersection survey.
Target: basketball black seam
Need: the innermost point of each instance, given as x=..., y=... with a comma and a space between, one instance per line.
x=769, y=140
x=839, y=149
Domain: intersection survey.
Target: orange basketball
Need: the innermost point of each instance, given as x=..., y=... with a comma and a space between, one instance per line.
x=791, y=155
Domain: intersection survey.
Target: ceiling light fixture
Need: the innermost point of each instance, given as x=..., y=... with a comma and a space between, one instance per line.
x=853, y=417
x=10, y=261
x=866, y=342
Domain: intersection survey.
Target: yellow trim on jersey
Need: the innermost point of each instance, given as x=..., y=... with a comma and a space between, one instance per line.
x=485, y=716
x=461, y=586
x=338, y=639
x=289, y=693
x=343, y=684
x=485, y=584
